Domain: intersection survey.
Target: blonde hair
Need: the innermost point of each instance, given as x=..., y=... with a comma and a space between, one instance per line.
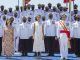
x=8, y=22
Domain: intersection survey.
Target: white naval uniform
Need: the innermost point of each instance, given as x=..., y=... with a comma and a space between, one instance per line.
x=47, y=15
x=25, y=34
x=67, y=15
x=76, y=37
x=63, y=40
x=15, y=24
x=76, y=29
x=50, y=28
x=18, y=12
x=1, y=13
x=24, y=13
x=25, y=31
x=1, y=27
x=56, y=16
x=31, y=15
x=38, y=45
x=72, y=15
x=50, y=33
x=4, y=22
x=1, y=34
x=38, y=12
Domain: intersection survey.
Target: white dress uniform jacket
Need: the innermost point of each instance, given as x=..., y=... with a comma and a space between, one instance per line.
x=15, y=24
x=50, y=28
x=25, y=31
x=76, y=29
x=63, y=39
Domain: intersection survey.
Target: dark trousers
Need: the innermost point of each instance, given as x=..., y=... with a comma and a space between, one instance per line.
x=49, y=42
x=0, y=45
x=25, y=45
x=76, y=46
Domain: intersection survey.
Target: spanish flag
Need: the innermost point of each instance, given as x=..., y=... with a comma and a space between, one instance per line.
x=26, y=2
x=67, y=1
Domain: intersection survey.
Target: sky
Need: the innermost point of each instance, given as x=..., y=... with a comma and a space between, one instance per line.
x=13, y=3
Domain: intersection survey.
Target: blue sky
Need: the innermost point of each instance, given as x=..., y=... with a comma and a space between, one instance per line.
x=13, y=3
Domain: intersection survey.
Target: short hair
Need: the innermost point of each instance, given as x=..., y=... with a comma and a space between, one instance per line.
x=63, y=16
x=37, y=16
x=50, y=16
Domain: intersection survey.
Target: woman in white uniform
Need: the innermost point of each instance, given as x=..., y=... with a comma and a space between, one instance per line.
x=38, y=36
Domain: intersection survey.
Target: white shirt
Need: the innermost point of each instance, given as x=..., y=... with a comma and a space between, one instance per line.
x=15, y=24
x=24, y=13
x=76, y=29
x=1, y=13
x=56, y=16
x=25, y=31
x=38, y=12
x=1, y=28
x=50, y=28
x=72, y=15
x=59, y=27
x=67, y=15
x=47, y=14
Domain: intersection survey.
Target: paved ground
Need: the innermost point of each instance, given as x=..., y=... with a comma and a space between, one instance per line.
x=56, y=57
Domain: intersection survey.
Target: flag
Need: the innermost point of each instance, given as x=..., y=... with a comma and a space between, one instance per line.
x=70, y=9
x=26, y=2
x=67, y=1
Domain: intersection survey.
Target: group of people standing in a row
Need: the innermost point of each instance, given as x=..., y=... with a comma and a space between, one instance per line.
x=35, y=30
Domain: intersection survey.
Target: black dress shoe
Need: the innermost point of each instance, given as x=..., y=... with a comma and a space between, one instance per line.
x=23, y=54
x=50, y=54
x=39, y=54
x=35, y=54
x=64, y=59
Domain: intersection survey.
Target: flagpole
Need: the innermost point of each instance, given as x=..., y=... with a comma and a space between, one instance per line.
x=70, y=8
x=18, y=2
x=73, y=4
x=19, y=7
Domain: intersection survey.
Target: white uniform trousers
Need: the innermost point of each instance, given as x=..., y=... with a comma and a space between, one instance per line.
x=63, y=42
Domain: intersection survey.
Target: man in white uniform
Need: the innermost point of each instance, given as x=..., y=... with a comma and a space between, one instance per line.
x=66, y=13
x=32, y=13
x=15, y=24
x=46, y=13
x=56, y=15
x=18, y=11
x=63, y=34
x=76, y=35
x=1, y=33
x=25, y=33
x=10, y=13
x=5, y=13
x=2, y=9
x=38, y=11
x=75, y=12
x=50, y=33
